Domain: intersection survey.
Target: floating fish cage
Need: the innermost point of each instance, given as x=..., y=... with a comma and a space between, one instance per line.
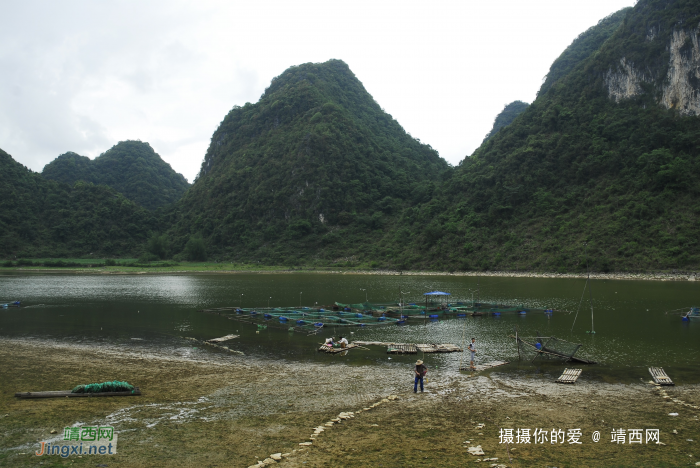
x=362, y=314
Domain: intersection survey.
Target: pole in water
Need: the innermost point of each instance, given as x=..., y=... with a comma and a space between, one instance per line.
x=590, y=294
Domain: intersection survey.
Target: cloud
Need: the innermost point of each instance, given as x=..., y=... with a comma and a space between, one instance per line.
x=82, y=75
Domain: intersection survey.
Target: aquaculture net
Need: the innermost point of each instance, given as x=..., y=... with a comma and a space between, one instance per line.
x=114, y=386
x=549, y=348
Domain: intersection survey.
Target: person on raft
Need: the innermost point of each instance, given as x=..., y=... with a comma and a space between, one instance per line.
x=420, y=372
x=329, y=342
x=343, y=342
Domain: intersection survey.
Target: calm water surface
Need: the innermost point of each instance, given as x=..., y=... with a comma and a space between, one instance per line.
x=633, y=328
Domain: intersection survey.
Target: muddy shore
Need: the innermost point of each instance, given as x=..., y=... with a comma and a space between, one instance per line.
x=222, y=410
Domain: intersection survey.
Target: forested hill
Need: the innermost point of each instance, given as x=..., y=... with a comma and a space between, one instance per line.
x=608, y=155
x=130, y=167
x=314, y=171
x=506, y=116
x=44, y=218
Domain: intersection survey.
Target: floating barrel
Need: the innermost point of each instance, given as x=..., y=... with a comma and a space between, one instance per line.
x=301, y=322
x=283, y=319
x=267, y=315
x=346, y=309
x=361, y=324
x=253, y=313
x=549, y=311
x=322, y=310
x=685, y=319
x=422, y=312
x=497, y=314
x=381, y=319
x=461, y=315
x=522, y=312
x=404, y=317
x=318, y=324
x=401, y=322
x=433, y=316
x=358, y=315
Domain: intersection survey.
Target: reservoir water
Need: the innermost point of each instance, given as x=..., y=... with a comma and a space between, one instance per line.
x=637, y=323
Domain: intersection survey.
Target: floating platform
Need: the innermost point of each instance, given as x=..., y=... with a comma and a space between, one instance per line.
x=569, y=376
x=481, y=367
x=425, y=348
x=330, y=350
x=68, y=394
x=439, y=348
x=659, y=376
x=402, y=349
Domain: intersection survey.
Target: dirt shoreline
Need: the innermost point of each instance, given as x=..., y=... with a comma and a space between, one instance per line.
x=208, y=409
x=654, y=276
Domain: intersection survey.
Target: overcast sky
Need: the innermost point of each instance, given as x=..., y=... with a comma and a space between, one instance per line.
x=83, y=75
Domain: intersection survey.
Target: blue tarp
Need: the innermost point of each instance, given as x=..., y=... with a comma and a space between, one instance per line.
x=436, y=293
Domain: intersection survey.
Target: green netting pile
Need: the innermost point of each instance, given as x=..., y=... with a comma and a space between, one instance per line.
x=114, y=386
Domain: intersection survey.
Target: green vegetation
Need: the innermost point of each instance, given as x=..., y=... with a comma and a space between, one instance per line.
x=584, y=45
x=577, y=168
x=314, y=172
x=131, y=168
x=506, y=117
x=43, y=218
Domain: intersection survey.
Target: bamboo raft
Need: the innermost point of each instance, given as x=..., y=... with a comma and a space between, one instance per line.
x=439, y=348
x=402, y=349
x=659, y=376
x=569, y=376
x=330, y=350
x=481, y=367
x=425, y=348
x=68, y=394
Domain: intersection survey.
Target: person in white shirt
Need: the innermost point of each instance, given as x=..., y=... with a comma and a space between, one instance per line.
x=472, y=350
x=343, y=342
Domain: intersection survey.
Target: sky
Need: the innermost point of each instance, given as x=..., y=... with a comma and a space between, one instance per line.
x=83, y=75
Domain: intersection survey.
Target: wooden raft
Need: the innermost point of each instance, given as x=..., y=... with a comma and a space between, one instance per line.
x=569, y=376
x=402, y=349
x=481, y=367
x=659, y=376
x=67, y=393
x=330, y=350
x=439, y=348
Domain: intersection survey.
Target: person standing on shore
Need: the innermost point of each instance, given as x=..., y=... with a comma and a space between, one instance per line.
x=420, y=372
x=472, y=350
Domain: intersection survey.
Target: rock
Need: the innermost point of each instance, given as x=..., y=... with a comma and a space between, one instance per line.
x=375, y=425
x=268, y=461
x=306, y=443
x=365, y=409
x=385, y=400
x=674, y=431
x=329, y=424
x=476, y=450
x=276, y=456
x=338, y=419
x=285, y=455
